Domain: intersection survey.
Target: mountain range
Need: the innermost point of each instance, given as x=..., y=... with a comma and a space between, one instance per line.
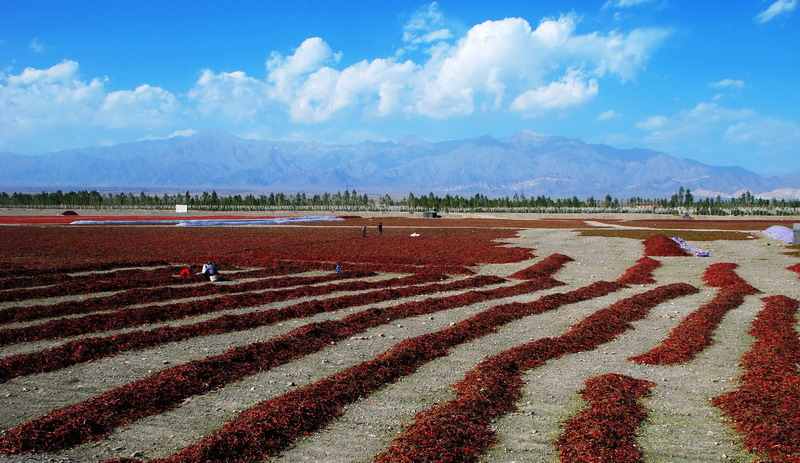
x=528, y=162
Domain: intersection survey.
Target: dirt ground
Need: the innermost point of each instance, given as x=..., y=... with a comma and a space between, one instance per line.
x=682, y=426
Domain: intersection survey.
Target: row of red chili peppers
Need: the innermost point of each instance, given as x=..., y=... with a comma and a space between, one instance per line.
x=273, y=425
x=694, y=333
x=661, y=245
x=605, y=431
x=550, y=265
x=159, y=293
x=27, y=281
x=95, y=283
x=12, y=272
x=94, y=348
x=794, y=268
x=166, y=389
x=126, y=318
x=641, y=273
x=460, y=430
x=437, y=267
x=41, y=286
x=765, y=408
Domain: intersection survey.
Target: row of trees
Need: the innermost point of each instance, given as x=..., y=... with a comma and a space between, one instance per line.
x=681, y=202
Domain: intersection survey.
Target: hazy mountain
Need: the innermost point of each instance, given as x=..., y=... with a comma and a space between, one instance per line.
x=529, y=163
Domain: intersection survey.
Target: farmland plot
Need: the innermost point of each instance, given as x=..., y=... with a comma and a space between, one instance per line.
x=462, y=344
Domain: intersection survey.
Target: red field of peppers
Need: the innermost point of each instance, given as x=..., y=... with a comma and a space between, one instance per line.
x=449, y=340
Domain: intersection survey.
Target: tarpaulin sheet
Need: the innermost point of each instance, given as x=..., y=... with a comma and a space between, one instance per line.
x=780, y=233
x=210, y=222
x=696, y=251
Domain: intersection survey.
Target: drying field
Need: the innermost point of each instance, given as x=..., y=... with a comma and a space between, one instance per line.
x=476, y=339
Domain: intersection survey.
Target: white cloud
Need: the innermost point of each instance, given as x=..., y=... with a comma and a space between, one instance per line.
x=36, y=46
x=765, y=132
x=426, y=26
x=286, y=74
x=608, y=115
x=652, y=123
x=779, y=8
x=233, y=95
x=624, y=55
x=496, y=66
x=374, y=85
x=728, y=83
x=570, y=91
x=501, y=60
x=148, y=107
x=625, y=3
x=58, y=97
x=709, y=124
x=503, y=65
x=177, y=133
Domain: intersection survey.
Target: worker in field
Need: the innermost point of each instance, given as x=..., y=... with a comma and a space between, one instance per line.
x=380, y=228
x=210, y=271
x=188, y=271
x=364, y=231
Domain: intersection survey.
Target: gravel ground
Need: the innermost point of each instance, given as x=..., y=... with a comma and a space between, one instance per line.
x=682, y=426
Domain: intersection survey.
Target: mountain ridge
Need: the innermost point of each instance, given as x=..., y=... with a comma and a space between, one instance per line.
x=527, y=162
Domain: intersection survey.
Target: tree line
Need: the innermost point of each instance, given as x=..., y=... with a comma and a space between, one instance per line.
x=682, y=202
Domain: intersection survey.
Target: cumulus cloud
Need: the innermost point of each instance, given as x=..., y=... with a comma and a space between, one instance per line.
x=777, y=9
x=497, y=62
x=147, y=107
x=503, y=65
x=58, y=96
x=375, y=85
x=231, y=94
x=570, y=91
x=287, y=73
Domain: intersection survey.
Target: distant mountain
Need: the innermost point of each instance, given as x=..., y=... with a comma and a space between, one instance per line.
x=529, y=163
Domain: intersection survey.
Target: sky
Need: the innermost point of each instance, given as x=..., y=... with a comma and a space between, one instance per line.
x=714, y=81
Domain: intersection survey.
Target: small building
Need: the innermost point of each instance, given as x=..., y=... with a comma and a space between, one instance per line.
x=431, y=214
x=181, y=208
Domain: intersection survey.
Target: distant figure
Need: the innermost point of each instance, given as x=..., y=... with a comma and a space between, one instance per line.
x=364, y=231
x=338, y=268
x=380, y=228
x=210, y=270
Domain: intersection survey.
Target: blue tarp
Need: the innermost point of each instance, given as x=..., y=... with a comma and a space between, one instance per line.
x=780, y=233
x=209, y=222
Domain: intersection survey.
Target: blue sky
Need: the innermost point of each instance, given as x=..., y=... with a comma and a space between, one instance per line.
x=712, y=81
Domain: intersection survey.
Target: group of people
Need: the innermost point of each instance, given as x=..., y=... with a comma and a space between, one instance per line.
x=212, y=274
x=209, y=271
x=380, y=229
